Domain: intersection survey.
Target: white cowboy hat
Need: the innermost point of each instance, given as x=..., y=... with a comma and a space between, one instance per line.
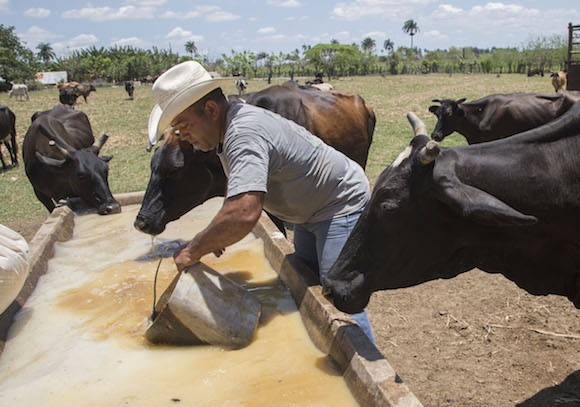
x=175, y=90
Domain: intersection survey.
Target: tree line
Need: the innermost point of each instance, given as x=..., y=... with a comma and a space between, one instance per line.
x=114, y=64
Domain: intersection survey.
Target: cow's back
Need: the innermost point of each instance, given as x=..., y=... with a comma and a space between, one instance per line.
x=342, y=120
x=72, y=126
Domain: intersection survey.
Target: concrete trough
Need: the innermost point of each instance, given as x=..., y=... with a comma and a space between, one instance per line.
x=368, y=374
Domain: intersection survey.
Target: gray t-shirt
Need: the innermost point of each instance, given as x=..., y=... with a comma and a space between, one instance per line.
x=304, y=179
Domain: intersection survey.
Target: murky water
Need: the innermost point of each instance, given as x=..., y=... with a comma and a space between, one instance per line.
x=79, y=340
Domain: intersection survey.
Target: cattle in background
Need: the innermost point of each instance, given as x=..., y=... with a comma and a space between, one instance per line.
x=511, y=207
x=558, y=80
x=325, y=87
x=241, y=86
x=8, y=135
x=183, y=177
x=67, y=95
x=84, y=90
x=498, y=116
x=5, y=86
x=534, y=72
x=130, y=89
x=61, y=85
x=61, y=160
x=19, y=91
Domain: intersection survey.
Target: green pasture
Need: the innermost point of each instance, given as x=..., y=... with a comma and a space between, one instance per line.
x=125, y=122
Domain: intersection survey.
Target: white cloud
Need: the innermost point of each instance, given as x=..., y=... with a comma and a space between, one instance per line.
x=294, y=18
x=147, y=2
x=375, y=34
x=37, y=12
x=221, y=15
x=4, y=6
x=266, y=30
x=284, y=3
x=252, y=19
x=130, y=41
x=108, y=13
x=172, y=15
x=341, y=36
x=391, y=9
x=78, y=42
x=435, y=35
x=35, y=34
x=181, y=34
x=447, y=10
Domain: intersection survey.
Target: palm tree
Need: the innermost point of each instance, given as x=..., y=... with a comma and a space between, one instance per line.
x=368, y=44
x=388, y=46
x=334, y=41
x=45, y=52
x=411, y=27
x=190, y=48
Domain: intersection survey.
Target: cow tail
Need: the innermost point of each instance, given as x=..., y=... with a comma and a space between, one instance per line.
x=371, y=122
x=13, y=140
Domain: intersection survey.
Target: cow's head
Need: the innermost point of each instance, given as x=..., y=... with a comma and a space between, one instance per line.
x=407, y=233
x=67, y=95
x=86, y=173
x=445, y=112
x=182, y=177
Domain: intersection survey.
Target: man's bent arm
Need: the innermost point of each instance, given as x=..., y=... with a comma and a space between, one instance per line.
x=233, y=222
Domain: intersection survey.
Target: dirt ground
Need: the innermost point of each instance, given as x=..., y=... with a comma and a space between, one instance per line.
x=475, y=340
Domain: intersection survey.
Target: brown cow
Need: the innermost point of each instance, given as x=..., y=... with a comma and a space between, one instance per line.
x=498, y=116
x=84, y=90
x=61, y=85
x=558, y=80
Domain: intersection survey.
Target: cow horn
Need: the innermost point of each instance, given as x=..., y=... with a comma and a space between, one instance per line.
x=63, y=150
x=459, y=101
x=429, y=152
x=418, y=126
x=100, y=142
x=436, y=100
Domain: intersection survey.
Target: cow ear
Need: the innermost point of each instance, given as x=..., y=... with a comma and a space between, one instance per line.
x=106, y=158
x=477, y=205
x=433, y=109
x=50, y=161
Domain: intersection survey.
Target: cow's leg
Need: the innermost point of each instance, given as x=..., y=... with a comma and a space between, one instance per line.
x=2, y=159
x=45, y=199
x=9, y=151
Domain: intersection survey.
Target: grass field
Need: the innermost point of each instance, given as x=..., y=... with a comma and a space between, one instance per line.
x=125, y=122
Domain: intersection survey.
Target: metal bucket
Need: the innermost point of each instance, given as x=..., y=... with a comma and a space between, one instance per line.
x=202, y=306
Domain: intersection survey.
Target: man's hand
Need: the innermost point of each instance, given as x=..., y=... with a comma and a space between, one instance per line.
x=184, y=257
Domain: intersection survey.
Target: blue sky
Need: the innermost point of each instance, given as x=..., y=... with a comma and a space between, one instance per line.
x=282, y=25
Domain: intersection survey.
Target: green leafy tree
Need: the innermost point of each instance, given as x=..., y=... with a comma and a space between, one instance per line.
x=17, y=63
x=45, y=52
x=410, y=27
x=191, y=48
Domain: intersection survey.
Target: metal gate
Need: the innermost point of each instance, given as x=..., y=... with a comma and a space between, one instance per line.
x=573, y=65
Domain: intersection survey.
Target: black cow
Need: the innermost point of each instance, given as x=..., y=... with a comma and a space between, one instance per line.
x=498, y=116
x=67, y=95
x=61, y=160
x=510, y=206
x=8, y=135
x=183, y=177
x=129, y=88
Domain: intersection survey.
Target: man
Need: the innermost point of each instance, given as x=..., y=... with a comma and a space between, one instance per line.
x=271, y=163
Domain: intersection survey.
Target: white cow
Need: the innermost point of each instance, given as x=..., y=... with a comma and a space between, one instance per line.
x=241, y=86
x=19, y=90
x=323, y=86
x=13, y=265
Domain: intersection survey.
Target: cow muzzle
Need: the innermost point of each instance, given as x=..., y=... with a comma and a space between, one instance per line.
x=109, y=208
x=350, y=297
x=146, y=226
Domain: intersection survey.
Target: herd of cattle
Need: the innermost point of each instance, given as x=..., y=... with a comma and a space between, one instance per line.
x=507, y=203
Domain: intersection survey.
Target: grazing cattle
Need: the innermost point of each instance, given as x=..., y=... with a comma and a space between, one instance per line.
x=19, y=91
x=558, y=80
x=511, y=206
x=8, y=135
x=241, y=86
x=84, y=90
x=322, y=86
x=130, y=89
x=5, y=86
x=61, y=160
x=183, y=177
x=60, y=85
x=67, y=95
x=533, y=72
x=498, y=116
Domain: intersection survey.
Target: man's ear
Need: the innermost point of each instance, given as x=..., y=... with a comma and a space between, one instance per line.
x=211, y=109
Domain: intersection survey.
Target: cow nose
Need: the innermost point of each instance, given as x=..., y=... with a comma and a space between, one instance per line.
x=436, y=137
x=110, y=208
x=140, y=224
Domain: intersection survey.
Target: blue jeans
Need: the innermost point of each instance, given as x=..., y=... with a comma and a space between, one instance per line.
x=318, y=244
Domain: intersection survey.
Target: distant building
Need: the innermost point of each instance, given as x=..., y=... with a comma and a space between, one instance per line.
x=50, y=78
